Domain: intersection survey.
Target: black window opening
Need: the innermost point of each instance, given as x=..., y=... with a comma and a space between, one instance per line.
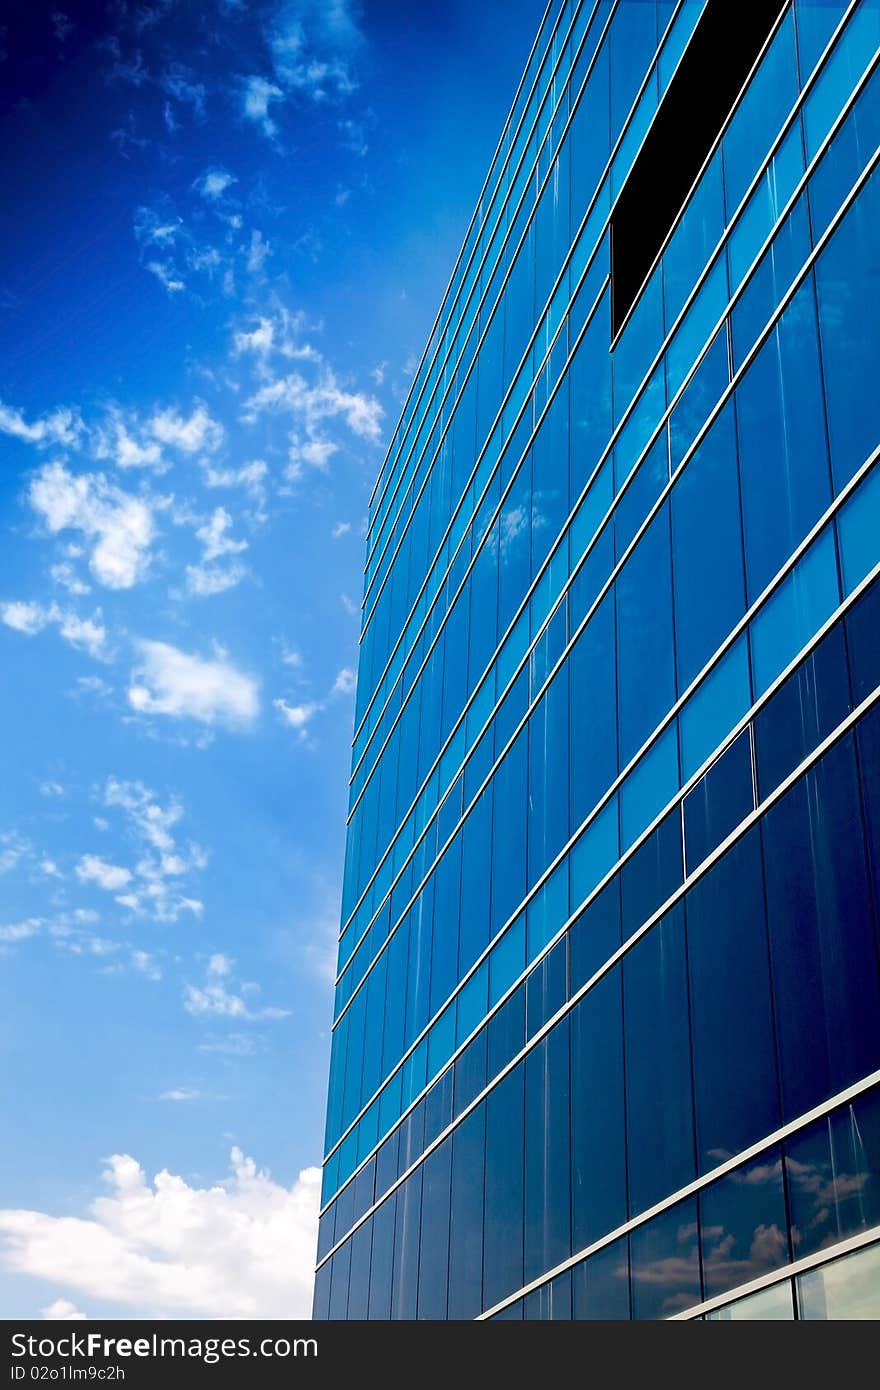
x=727, y=40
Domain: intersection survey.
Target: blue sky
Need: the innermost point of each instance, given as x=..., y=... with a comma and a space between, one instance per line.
x=226, y=228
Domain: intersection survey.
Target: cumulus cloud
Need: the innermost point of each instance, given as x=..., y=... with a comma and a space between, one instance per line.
x=60, y=427
x=166, y=274
x=219, y=997
x=118, y=525
x=168, y=681
x=240, y=1248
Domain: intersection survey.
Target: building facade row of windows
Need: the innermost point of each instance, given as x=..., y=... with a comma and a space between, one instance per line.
x=644, y=1085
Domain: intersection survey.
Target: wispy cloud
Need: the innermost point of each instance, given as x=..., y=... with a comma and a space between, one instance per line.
x=61, y=427
x=213, y=183
x=29, y=618
x=219, y=997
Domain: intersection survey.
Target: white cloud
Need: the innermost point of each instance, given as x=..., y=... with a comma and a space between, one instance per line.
x=197, y=434
x=62, y=1310
x=169, y=681
x=60, y=427
x=119, y=525
x=204, y=581
x=241, y=1248
x=297, y=717
x=218, y=997
x=313, y=404
x=116, y=440
x=342, y=528
x=258, y=95
x=13, y=848
x=64, y=575
x=111, y=877
x=181, y=1094
x=260, y=339
x=251, y=476
x=21, y=931
x=26, y=617
x=345, y=682
x=86, y=634
x=167, y=276
x=145, y=965
x=154, y=887
x=214, y=183
x=215, y=539
x=257, y=252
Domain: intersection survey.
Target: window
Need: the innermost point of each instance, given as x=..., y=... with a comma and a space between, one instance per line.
x=715, y=66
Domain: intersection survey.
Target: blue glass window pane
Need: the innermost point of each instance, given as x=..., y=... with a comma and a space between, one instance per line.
x=714, y=709
x=659, y=1103
x=593, y=712
x=699, y=397
x=852, y=147
x=650, y=786
x=509, y=833
x=707, y=549
x=547, y=1153
x=470, y=1071
x=638, y=343
x=743, y=1225
x=858, y=532
x=547, y=822
x=359, y=1279
x=466, y=1223
x=777, y=183
x=595, y=936
x=815, y=21
x=645, y=639
x=503, y=1244
x=773, y=277
x=551, y=1302
x=796, y=611
x=590, y=375
x=321, y=1301
x=833, y=1174
x=382, y=1261
x=767, y=101
x=693, y=240
x=783, y=458
x=845, y=65
x=387, y=1171
x=698, y=326
x=600, y=1285
x=735, y=1091
x=802, y=712
x=404, y=1291
x=651, y=874
x=340, y=1271
x=868, y=743
x=434, y=1237
x=648, y=482
x=507, y=960
x=595, y=853
x=848, y=325
x=721, y=799
x=862, y=627
x=665, y=1263
x=438, y=1106
x=598, y=1152
x=475, y=882
x=507, y=1030
x=822, y=944
x=546, y=988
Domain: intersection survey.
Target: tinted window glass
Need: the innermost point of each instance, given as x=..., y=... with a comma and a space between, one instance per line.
x=720, y=800
x=548, y=1157
x=659, y=1109
x=600, y=1285
x=743, y=1225
x=735, y=1087
x=802, y=712
x=833, y=1175
x=665, y=1263
x=503, y=1249
x=598, y=1155
x=822, y=944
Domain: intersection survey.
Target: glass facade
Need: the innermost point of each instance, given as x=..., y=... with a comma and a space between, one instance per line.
x=607, y=1020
